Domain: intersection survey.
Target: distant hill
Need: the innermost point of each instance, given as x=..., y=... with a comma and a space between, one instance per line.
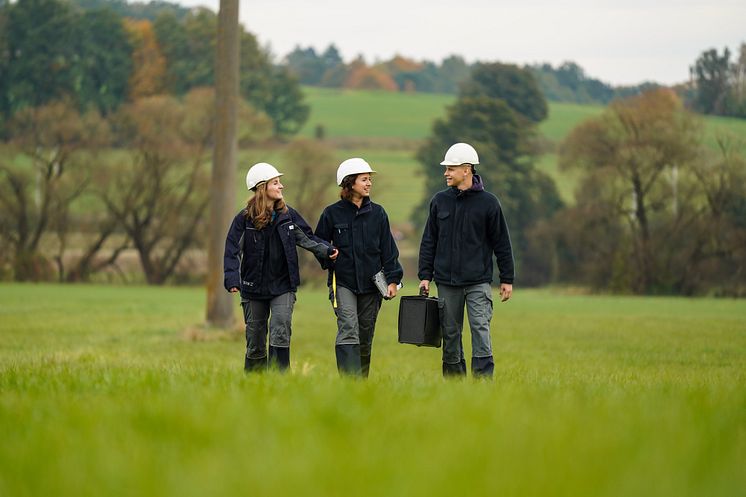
x=382, y=114
x=387, y=127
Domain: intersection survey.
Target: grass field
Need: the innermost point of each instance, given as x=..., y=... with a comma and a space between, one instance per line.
x=373, y=114
x=109, y=390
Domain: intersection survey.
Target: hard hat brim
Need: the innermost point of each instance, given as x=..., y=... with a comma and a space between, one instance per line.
x=449, y=163
x=339, y=180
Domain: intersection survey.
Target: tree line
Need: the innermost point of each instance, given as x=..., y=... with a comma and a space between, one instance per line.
x=92, y=168
x=78, y=189
x=717, y=84
x=565, y=83
x=100, y=54
x=105, y=52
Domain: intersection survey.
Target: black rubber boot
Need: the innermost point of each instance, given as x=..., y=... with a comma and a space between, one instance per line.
x=348, y=359
x=279, y=357
x=482, y=367
x=458, y=369
x=255, y=365
x=365, y=365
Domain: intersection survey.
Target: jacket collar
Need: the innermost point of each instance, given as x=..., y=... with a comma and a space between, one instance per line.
x=476, y=186
x=365, y=206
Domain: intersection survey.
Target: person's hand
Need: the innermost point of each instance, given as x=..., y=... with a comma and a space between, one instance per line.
x=233, y=289
x=506, y=290
x=426, y=285
x=334, y=254
x=392, y=290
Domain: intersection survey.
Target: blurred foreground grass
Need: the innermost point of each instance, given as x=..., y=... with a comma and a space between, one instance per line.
x=119, y=391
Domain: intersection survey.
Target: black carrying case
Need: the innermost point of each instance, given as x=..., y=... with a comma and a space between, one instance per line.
x=419, y=321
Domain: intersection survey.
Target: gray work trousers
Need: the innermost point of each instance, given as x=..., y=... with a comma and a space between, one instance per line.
x=257, y=313
x=356, y=318
x=478, y=301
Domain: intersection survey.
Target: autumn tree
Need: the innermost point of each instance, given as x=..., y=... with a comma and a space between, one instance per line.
x=36, y=199
x=635, y=159
x=360, y=76
x=158, y=193
x=148, y=77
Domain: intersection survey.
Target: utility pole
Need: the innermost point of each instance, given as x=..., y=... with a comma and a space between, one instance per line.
x=223, y=185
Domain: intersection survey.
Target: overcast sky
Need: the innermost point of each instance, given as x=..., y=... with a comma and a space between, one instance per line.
x=619, y=42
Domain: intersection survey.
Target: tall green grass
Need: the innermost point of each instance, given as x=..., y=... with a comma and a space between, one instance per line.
x=119, y=391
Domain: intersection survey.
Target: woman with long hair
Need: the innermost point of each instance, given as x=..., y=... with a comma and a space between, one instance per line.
x=261, y=262
x=360, y=230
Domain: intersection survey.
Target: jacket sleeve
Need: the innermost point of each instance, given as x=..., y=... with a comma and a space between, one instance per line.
x=390, y=253
x=501, y=245
x=232, y=254
x=304, y=238
x=324, y=232
x=428, y=245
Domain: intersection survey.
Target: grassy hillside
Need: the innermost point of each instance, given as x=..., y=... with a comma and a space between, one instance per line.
x=378, y=116
x=109, y=390
x=373, y=114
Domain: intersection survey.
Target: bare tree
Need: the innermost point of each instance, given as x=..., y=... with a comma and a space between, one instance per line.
x=222, y=186
x=37, y=197
x=158, y=193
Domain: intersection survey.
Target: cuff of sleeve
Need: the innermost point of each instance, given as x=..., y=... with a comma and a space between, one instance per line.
x=508, y=281
x=232, y=283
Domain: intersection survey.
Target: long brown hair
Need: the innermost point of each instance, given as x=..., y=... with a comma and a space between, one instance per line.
x=346, y=192
x=259, y=208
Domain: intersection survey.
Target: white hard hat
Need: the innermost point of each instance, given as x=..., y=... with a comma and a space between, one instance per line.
x=260, y=172
x=352, y=166
x=460, y=153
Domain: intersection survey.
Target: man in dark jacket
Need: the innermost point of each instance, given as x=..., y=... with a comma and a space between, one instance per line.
x=465, y=227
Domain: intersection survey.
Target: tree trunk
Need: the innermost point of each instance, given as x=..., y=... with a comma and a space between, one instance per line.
x=644, y=276
x=222, y=186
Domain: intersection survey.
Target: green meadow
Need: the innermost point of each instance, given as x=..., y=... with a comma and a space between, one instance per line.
x=368, y=123
x=110, y=390
x=373, y=114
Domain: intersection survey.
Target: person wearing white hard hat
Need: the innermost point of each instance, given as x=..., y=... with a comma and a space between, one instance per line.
x=464, y=228
x=261, y=262
x=360, y=229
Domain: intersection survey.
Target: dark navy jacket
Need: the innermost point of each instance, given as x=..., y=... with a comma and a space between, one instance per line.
x=463, y=230
x=244, y=255
x=363, y=237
